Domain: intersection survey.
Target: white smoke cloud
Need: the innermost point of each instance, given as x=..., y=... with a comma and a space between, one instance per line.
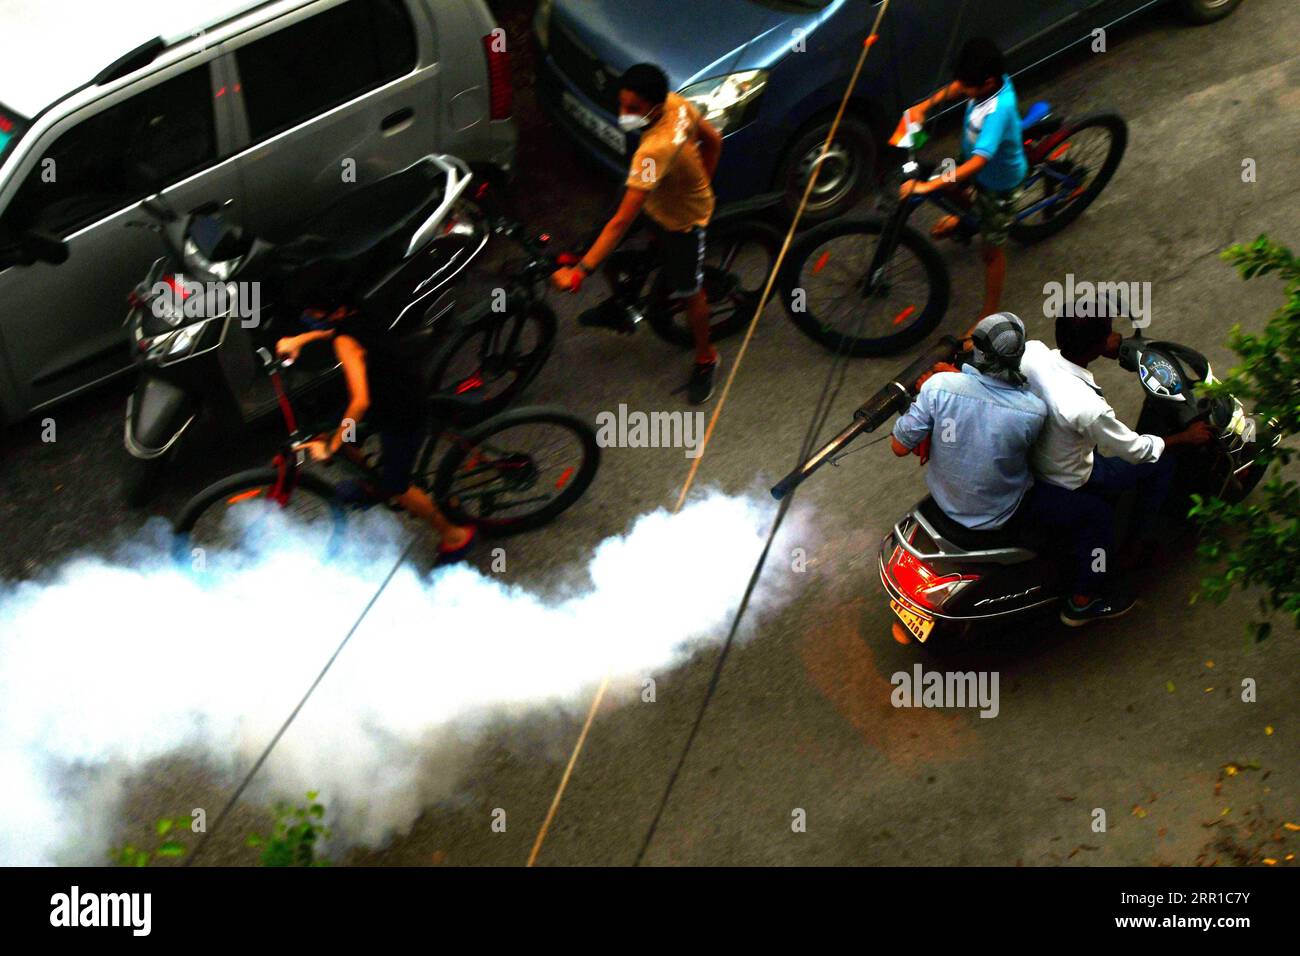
x=114, y=663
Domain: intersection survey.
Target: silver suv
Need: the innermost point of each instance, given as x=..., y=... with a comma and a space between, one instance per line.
x=270, y=108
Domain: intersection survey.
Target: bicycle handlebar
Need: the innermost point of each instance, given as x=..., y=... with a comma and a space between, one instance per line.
x=894, y=397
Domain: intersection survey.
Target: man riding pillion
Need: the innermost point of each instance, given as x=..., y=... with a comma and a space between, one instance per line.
x=993, y=158
x=386, y=390
x=976, y=428
x=669, y=179
x=1085, y=457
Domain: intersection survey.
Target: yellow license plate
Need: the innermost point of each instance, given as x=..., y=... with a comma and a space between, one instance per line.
x=919, y=624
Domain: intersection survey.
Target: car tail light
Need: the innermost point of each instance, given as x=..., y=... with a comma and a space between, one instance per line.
x=500, y=89
x=921, y=584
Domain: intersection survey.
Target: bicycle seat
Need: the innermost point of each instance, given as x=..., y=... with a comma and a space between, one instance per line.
x=1038, y=121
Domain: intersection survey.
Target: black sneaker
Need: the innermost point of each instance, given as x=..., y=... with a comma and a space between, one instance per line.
x=1098, y=609
x=611, y=315
x=700, y=388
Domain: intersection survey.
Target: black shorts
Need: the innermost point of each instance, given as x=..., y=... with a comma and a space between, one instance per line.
x=398, y=450
x=681, y=261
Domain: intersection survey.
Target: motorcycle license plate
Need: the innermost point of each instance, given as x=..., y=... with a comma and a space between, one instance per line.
x=919, y=624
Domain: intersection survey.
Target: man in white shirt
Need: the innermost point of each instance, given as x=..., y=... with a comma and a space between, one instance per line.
x=1084, y=457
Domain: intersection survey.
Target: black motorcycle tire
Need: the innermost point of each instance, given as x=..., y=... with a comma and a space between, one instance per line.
x=142, y=478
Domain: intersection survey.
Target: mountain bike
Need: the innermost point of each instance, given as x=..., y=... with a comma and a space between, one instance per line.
x=740, y=250
x=504, y=475
x=504, y=343
x=875, y=286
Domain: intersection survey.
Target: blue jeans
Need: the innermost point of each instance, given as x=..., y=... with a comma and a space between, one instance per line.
x=1086, y=516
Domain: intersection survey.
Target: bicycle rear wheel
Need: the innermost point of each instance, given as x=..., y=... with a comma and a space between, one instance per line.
x=235, y=519
x=516, y=472
x=1071, y=176
x=493, y=359
x=827, y=294
x=738, y=258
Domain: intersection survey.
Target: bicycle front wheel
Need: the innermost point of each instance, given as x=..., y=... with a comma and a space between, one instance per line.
x=738, y=257
x=518, y=471
x=235, y=520
x=495, y=358
x=833, y=300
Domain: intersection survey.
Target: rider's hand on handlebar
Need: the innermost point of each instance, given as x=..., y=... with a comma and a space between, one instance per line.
x=568, y=279
x=318, y=448
x=916, y=187
x=1197, y=433
x=288, y=348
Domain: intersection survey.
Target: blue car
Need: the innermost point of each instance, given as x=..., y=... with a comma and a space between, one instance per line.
x=769, y=74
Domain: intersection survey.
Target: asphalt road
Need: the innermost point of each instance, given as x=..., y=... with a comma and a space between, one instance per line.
x=1128, y=716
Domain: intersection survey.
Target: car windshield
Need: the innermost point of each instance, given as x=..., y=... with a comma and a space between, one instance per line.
x=11, y=127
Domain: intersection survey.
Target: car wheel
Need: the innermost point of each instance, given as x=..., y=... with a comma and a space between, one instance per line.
x=1207, y=11
x=845, y=171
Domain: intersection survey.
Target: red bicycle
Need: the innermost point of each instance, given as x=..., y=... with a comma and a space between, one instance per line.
x=507, y=474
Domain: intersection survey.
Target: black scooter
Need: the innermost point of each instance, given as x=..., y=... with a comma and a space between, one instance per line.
x=945, y=581
x=196, y=321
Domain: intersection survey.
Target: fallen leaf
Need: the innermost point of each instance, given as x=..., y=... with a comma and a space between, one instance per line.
x=1268, y=731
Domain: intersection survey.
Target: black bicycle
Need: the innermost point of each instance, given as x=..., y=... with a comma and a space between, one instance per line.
x=503, y=344
x=504, y=475
x=876, y=286
x=499, y=348
x=740, y=252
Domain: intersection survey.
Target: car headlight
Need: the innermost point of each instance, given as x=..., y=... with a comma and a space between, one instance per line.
x=728, y=102
x=542, y=22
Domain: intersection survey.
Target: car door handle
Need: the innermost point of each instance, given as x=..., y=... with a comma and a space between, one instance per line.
x=396, y=122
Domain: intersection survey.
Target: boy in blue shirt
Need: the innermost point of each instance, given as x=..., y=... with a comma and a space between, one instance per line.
x=992, y=154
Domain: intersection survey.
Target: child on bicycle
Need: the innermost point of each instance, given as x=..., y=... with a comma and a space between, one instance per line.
x=670, y=180
x=993, y=162
x=386, y=390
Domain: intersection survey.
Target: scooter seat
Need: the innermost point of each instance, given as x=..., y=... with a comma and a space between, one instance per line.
x=1011, y=536
x=367, y=216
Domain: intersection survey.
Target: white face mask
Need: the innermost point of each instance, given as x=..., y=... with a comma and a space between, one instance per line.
x=630, y=122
